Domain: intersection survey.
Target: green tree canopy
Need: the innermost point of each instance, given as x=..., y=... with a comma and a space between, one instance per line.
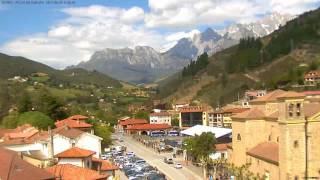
x=35, y=118
x=201, y=146
x=142, y=115
x=10, y=121
x=105, y=133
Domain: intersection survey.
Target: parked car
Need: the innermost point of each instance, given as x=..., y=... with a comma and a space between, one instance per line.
x=178, y=166
x=168, y=160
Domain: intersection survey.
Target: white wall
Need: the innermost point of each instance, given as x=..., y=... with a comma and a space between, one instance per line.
x=61, y=143
x=217, y=155
x=160, y=120
x=90, y=142
x=24, y=147
x=73, y=161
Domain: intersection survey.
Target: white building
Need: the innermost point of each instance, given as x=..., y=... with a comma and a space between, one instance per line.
x=68, y=138
x=63, y=138
x=221, y=152
x=160, y=118
x=76, y=156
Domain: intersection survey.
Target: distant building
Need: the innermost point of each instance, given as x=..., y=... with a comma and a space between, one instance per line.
x=222, y=117
x=76, y=121
x=278, y=136
x=76, y=156
x=312, y=78
x=179, y=105
x=39, y=147
x=123, y=125
x=160, y=118
x=192, y=115
x=146, y=129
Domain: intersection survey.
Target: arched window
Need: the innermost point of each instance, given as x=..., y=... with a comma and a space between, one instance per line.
x=238, y=137
x=296, y=143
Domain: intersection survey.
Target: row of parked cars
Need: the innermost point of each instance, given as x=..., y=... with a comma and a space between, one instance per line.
x=134, y=168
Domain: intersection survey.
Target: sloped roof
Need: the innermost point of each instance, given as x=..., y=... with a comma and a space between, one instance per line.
x=267, y=151
x=199, y=129
x=311, y=109
x=70, y=133
x=271, y=96
x=105, y=165
x=149, y=127
x=72, y=172
x=221, y=147
x=235, y=110
x=133, y=121
x=75, y=152
x=291, y=94
x=12, y=167
x=253, y=113
x=308, y=93
x=72, y=123
x=78, y=117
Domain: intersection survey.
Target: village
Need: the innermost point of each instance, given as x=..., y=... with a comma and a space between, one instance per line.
x=159, y=90
x=262, y=132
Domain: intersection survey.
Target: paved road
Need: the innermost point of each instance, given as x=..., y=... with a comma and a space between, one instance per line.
x=156, y=160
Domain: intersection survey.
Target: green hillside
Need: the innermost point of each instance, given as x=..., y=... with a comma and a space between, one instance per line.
x=11, y=66
x=276, y=61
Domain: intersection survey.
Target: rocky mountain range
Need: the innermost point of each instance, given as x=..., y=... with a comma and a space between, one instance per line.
x=143, y=64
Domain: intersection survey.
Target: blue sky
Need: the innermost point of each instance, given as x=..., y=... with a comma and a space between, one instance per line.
x=43, y=32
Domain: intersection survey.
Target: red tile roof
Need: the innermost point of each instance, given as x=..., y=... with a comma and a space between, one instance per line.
x=12, y=167
x=72, y=172
x=27, y=134
x=271, y=96
x=267, y=151
x=311, y=109
x=312, y=74
x=78, y=117
x=149, y=127
x=235, y=110
x=70, y=133
x=133, y=121
x=253, y=113
x=291, y=94
x=310, y=93
x=75, y=152
x=221, y=147
x=105, y=165
x=160, y=114
x=72, y=123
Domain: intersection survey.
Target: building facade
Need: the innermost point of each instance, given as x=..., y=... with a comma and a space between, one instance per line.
x=278, y=136
x=160, y=118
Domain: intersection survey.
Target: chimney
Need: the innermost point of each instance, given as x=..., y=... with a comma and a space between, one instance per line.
x=50, y=145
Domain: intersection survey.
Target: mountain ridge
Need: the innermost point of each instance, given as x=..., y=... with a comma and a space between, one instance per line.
x=143, y=64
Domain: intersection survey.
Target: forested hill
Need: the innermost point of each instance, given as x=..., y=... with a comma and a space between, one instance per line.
x=11, y=66
x=277, y=60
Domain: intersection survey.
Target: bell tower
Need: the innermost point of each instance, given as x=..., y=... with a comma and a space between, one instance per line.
x=292, y=139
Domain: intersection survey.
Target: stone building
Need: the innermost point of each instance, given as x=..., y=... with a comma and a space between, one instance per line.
x=279, y=136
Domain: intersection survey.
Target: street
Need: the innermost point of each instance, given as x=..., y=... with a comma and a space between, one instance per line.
x=156, y=160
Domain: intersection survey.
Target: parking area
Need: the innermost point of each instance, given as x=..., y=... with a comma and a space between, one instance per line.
x=132, y=166
x=176, y=170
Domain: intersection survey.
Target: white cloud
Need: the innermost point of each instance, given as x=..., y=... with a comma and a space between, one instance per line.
x=85, y=31
x=92, y=28
x=191, y=13
x=178, y=35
